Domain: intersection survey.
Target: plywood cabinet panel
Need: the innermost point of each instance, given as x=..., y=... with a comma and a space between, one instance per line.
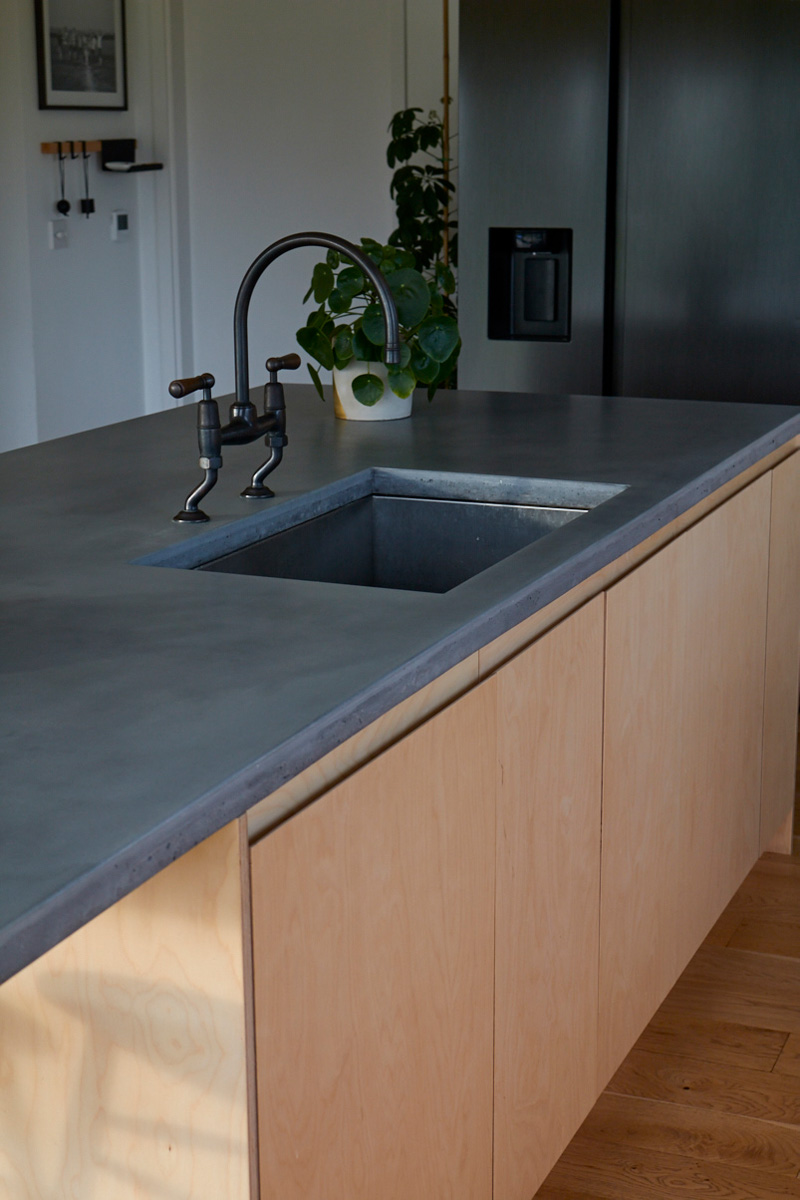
x=122, y=1050
x=373, y=914
x=550, y=705
x=783, y=653
x=682, y=757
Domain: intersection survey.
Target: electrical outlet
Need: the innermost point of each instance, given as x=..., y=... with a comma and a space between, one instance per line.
x=58, y=233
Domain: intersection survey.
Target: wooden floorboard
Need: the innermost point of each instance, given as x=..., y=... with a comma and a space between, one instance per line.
x=707, y=1104
x=610, y=1172
x=713, y=1041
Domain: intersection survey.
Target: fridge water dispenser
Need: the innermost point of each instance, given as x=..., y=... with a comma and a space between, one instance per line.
x=530, y=283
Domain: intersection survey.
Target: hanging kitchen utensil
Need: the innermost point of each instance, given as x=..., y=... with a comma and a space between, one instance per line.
x=63, y=205
x=87, y=203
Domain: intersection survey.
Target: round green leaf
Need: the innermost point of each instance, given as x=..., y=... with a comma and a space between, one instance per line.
x=333, y=259
x=438, y=337
x=322, y=282
x=363, y=349
x=338, y=303
x=317, y=345
x=367, y=389
x=372, y=248
x=446, y=372
x=350, y=282
x=405, y=259
x=320, y=320
x=343, y=345
x=402, y=381
x=373, y=325
x=425, y=368
x=411, y=295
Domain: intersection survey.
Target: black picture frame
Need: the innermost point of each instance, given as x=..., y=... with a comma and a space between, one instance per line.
x=81, y=54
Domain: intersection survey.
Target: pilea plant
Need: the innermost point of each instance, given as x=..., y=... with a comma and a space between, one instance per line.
x=348, y=323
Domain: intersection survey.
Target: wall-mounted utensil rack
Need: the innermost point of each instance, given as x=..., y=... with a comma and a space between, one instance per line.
x=116, y=154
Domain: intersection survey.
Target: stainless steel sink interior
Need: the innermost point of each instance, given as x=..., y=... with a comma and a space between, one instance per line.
x=400, y=529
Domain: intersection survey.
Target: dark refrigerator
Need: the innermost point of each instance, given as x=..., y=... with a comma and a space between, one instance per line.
x=629, y=197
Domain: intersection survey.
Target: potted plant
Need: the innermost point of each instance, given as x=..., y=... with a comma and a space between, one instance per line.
x=422, y=187
x=345, y=332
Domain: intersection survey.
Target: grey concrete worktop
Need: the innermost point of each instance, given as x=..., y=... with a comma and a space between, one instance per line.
x=145, y=707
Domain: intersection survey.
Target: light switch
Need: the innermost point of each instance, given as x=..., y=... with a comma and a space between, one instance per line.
x=120, y=226
x=58, y=233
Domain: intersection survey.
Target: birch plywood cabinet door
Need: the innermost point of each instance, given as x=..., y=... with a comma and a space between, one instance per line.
x=783, y=653
x=373, y=944
x=682, y=755
x=549, y=727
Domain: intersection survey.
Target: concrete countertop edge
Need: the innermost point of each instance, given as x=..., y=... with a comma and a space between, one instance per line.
x=43, y=926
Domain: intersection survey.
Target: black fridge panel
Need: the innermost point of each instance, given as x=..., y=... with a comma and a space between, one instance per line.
x=533, y=120
x=665, y=134
x=708, y=271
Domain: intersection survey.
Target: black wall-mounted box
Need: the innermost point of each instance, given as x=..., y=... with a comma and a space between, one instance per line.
x=530, y=284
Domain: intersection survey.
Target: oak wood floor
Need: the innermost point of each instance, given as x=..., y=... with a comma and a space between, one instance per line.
x=707, y=1104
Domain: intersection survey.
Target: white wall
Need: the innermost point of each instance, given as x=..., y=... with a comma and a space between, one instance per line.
x=76, y=312
x=287, y=112
x=424, y=68
x=270, y=118
x=18, y=424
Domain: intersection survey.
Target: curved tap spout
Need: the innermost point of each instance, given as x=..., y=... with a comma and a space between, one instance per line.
x=328, y=241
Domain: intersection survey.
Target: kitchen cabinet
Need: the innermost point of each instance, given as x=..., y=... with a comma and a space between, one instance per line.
x=373, y=931
x=550, y=727
x=388, y=938
x=682, y=755
x=123, y=1050
x=782, y=656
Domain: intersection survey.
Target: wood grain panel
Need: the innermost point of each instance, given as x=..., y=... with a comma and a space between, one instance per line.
x=682, y=774
x=591, y=1171
x=771, y=894
x=783, y=660
x=768, y=937
x=723, y=984
x=696, y=1133
x=712, y=1041
x=687, y=1081
x=373, y=954
x=550, y=704
x=789, y=1061
x=122, y=1056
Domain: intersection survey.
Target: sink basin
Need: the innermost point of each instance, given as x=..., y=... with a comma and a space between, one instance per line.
x=397, y=529
x=407, y=542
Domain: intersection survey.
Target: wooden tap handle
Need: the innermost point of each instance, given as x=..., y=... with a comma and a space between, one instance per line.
x=184, y=387
x=289, y=362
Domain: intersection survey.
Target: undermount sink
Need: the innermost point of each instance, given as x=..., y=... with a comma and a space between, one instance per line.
x=417, y=531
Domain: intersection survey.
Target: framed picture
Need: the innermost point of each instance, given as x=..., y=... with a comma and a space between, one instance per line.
x=81, y=51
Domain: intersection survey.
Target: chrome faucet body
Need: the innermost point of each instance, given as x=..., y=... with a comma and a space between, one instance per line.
x=245, y=424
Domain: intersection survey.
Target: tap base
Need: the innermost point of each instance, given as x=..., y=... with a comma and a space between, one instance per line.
x=257, y=493
x=190, y=515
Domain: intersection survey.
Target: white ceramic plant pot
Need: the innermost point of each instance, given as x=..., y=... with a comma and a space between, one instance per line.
x=388, y=408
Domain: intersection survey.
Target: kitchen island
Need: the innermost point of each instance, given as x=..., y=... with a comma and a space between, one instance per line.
x=162, y=726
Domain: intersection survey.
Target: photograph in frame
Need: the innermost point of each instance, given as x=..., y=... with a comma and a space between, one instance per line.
x=81, y=53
